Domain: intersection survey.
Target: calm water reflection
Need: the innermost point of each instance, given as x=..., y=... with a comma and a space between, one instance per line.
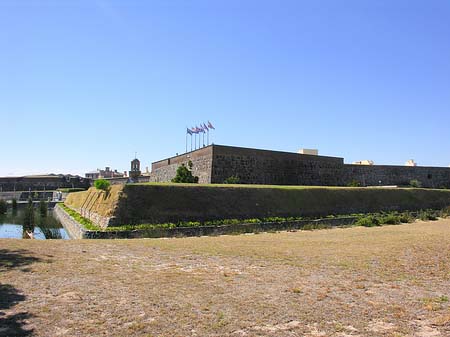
x=11, y=227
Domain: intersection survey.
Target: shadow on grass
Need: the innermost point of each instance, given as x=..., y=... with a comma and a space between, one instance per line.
x=10, y=259
x=12, y=324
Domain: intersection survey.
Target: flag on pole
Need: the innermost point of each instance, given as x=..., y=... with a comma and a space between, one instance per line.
x=194, y=130
x=211, y=126
x=189, y=131
x=199, y=129
x=205, y=127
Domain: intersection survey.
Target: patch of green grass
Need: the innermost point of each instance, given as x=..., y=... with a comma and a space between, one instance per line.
x=86, y=223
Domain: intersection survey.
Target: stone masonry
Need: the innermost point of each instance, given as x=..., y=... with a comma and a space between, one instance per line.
x=215, y=163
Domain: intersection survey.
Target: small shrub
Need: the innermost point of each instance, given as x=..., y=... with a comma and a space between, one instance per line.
x=415, y=183
x=445, y=213
x=427, y=215
x=184, y=175
x=406, y=218
x=390, y=219
x=232, y=180
x=3, y=206
x=367, y=221
x=102, y=184
x=354, y=183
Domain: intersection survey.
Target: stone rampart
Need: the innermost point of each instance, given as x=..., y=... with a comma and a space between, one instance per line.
x=216, y=163
x=373, y=175
x=254, y=166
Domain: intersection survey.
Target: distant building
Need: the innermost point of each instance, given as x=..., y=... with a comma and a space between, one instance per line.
x=147, y=172
x=411, y=162
x=312, y=152
x=363, y=162
x=106, y=173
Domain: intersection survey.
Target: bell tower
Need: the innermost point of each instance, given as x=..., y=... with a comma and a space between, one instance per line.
x=135, y=168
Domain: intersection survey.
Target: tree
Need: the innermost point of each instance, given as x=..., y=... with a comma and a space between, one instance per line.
x=3, y=206
x=184, y=174
x=43, y=208
x=28, y=216
x=102, y=184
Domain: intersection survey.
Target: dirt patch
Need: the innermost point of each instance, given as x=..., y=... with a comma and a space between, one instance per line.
x=387, y=281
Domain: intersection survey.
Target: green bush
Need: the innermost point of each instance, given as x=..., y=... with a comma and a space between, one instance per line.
x=102, y=184
x=415, y=183
x=390, y=219
x=367, y=221
x=184, y=174
x=232, y=180
x=354, y=183
x=427, y=215
x=445, y=213
x=406, y=217
x=3, y=206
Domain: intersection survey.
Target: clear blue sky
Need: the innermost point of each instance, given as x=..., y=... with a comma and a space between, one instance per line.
x=85, y=84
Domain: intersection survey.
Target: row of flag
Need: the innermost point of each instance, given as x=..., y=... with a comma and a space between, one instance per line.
x=204, y=127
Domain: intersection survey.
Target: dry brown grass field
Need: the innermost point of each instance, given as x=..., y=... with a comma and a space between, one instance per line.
x=383, y=281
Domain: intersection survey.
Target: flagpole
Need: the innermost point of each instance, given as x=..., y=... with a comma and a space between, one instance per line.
x=186, y=141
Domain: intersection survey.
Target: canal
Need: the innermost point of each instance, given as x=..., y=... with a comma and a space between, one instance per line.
x=14, y=225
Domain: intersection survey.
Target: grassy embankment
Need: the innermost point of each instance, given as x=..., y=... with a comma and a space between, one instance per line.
x=147, y=206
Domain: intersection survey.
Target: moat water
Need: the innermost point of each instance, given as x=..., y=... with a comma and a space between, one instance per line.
x=47, y=227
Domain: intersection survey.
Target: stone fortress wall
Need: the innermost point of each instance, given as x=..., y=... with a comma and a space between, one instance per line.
x=165, y=170
x=215, y=163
